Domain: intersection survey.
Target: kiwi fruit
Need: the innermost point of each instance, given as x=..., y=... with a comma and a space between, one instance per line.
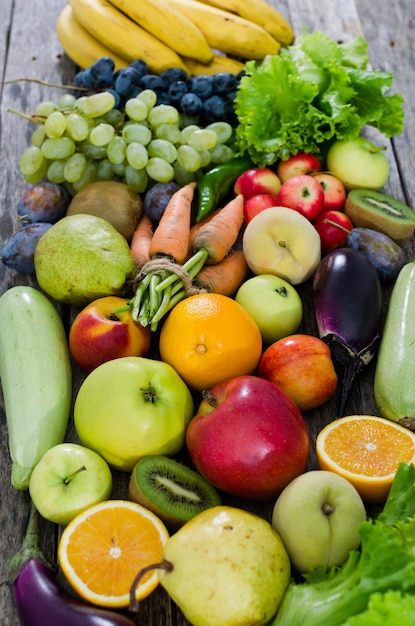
x=113, y=201
x=171, y=490
x=374, y=209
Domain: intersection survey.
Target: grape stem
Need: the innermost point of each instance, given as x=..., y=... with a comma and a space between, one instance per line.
x=44, y=83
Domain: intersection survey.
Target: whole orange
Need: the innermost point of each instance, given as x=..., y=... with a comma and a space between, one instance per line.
x=208, y=338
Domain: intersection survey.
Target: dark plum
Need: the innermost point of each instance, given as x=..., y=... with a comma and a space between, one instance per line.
x=18, y=251
x=157, y=197
x=43, y=202
x=383, y=252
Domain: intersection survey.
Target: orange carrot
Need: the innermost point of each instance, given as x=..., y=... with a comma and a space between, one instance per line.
x=226, y=276
x=140, y=241
x=171, y=236
x=198, y=225
x=219, y=234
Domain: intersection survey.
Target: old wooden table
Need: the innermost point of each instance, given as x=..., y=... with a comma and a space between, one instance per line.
x=29, y=49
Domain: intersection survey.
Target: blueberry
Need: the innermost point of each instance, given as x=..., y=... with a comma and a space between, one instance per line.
x=118, y=98
x=214, y=108
x=163, y=97
x=191, y=104
x=102, y=72
x=177, y=90
x=202, y=86
x=151, y=81
x=126, y=79
x=224, y=82
x=173, y=75
x=84, y=79
x=141, y=66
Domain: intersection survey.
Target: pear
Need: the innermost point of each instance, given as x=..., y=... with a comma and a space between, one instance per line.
x=83, y=258
x=225, y=567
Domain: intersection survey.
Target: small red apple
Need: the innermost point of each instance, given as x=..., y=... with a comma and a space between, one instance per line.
x=257, y=180
x=331, y=235
x=302, y=367
x=105, y=330
x=334, y=191
x=303, y=194
x=249, y=439
x=256, y=204
x=297, y=164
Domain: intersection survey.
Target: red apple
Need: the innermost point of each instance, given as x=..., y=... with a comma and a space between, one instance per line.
x=105, y=330
x=332, y=236
x=297, y=164
x=303, y=194
x=302, y=367
x=334, y=191
x=249, y=439
x=257, y=180
x=256, y=204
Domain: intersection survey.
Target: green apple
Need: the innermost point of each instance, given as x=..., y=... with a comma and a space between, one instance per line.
x=317, y=516
x=68, y=479
x=282, y=242
x=275, y=305
x=358, y=163
x=130, y=407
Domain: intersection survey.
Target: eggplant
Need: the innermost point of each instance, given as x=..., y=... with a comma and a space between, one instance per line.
x=40, y=600
x=347, y=301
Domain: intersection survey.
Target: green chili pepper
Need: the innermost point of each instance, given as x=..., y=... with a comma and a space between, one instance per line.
x=216, y=183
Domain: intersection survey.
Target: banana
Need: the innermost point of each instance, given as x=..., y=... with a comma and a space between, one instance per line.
x=219, y=63
x=119, y=33
x=260, y=12
x=228, y=32
x=167, y=23
x=79, y=45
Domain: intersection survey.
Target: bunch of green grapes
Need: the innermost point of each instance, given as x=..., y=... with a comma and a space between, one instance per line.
x=83, y=139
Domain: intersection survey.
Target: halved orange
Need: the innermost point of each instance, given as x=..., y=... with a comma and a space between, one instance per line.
x=367, y=451
x=103, y=548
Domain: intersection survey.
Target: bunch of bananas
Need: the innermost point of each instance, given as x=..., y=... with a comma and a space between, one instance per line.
x=199, y=36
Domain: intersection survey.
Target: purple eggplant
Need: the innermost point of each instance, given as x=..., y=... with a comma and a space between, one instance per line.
x=40, y=600
x=347, y=300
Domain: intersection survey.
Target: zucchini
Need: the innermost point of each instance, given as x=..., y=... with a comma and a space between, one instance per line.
x=36, y=378
x=394, y=386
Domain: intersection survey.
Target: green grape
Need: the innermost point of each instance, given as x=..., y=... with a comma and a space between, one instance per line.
x=159, y=170
x=58, y=148
x=163, y=149
x=77, y=127
x=101, y=135
x=136, y=155
x=203, y=139
x=149, y=97
x=205, y=157
x=37, y=176
x=105, y=170
x=186, y=132
x=92, y=153
x=44, y=109
x=113, y=117
x=66, y=101
x=55, y=124
x=75, y=167
x=223, y=131
x=119, y=169
x=222, y=153
x=116, y=150
x=169, y=132
x=163, y=114
x=137, y=179
x=182, y=176
x=55, y=172
x=136, y=109
x=38, y=136
x=137, y=133
x=31, y=161
x=96, y=105
x=90, y=175
x=188, y=158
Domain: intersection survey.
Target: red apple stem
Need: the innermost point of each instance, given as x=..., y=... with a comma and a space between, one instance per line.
x=166, y=565
x=328, y=221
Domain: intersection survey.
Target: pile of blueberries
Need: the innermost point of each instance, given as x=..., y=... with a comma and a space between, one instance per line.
x=206, y=98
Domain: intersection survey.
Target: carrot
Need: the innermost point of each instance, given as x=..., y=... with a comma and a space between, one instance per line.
x=198, y=225
x=140, y=241
x=171, y=236
x=224, y=277
x=218, y=235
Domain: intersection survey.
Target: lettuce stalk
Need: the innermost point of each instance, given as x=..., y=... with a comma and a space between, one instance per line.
x=313, y=92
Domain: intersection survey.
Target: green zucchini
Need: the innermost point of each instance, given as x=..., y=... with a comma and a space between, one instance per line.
x=36, y=378
x=394, y=383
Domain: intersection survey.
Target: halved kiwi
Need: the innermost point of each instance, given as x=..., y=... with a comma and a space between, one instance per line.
x=374, y=209
x=171, y=490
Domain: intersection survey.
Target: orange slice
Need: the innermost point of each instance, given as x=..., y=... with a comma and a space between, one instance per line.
x=103, y=548
x=367, y=451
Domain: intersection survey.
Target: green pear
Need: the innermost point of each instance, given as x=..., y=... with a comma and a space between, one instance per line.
x=226, y=567
x=83, y=258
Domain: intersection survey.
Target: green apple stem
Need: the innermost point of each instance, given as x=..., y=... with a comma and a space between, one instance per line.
x=68, y=479
x=166, y=565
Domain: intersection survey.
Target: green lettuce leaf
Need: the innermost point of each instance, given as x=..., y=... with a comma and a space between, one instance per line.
x=392, y=608
x=313, y=92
